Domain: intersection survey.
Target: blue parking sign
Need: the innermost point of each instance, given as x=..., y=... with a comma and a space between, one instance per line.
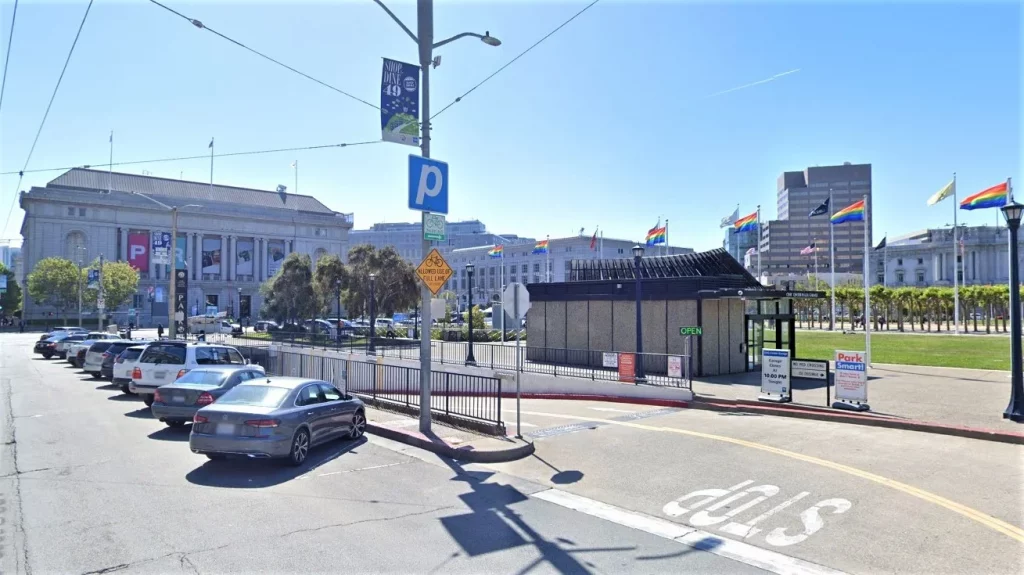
x=428, y=185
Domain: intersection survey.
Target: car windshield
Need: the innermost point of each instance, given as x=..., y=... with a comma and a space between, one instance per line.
x=206, y=377
x=163, y=353
x=255, y=395
x=130, y=354
x=100, y=346
x=218, y=356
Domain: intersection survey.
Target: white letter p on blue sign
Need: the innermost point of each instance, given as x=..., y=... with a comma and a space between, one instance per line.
x=428, y=185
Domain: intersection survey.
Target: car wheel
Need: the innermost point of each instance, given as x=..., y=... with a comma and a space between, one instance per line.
x=125, y=390
x=358, y=425
x=175, y=423
x=47, y=355
x=215, y=457
x=300, y=448
x=148, y=400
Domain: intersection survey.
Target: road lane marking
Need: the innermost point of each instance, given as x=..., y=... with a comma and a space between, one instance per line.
x=993, y=523
x=611, y=409
x=701, y=540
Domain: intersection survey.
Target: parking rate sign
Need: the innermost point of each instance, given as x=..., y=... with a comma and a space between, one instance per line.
x=428, y=185
x=775, y=371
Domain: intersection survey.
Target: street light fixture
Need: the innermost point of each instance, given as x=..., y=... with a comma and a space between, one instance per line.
x=239, y=307
x=638, y=256
x=1015, y=409
x=470, y=360
x=373, y=315
x=172, y=292
x=425, y=42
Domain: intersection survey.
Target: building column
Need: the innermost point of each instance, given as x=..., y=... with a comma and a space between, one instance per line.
x=197, y=254
x=233, y=259
x=123, y=252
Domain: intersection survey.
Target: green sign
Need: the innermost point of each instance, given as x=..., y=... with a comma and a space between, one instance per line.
x=691, y=330
x=434, y=227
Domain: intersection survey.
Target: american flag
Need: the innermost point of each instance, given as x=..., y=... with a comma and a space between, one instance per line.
x=751, y=251
x=808, y=250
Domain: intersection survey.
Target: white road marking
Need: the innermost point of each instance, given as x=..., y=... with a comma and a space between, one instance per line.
x=748, y=529
x=352, y=470
x=701, y=540
x=612, y=409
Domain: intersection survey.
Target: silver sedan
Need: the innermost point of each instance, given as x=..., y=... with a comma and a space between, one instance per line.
x=276, y=417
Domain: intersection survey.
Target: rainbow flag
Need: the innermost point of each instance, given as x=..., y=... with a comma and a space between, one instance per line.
x=656, y=235
x=541, y=247
x=497, y=252
x=746, y=223
x=851, y=213
x=994, y=197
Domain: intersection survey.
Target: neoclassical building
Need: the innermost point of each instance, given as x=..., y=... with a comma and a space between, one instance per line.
x=230, y=239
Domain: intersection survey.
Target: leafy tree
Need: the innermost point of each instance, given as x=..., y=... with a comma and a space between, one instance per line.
x=54, y=282
x=10, y=300
x=120, y=282
x=881, y=297
x=395, y=284
x=329, y=276
x=289, y=294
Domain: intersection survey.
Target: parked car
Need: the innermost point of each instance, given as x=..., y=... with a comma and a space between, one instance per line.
x=276, y=417
x=265, y=325
x=61, y=350
x=177, y=403
x=97, y=352
x=48, y=347
x=121, y=373
x=109, y=357
x=165, y=361
x=64, y=329
x=76, y=351
x=320, y=327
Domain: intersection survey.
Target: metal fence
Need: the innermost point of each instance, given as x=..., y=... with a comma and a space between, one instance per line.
x=460, y=399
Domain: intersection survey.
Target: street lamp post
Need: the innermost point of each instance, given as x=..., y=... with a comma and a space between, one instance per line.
x=337, y=295
x=373, y=315
x=425, y=41
x=78, y=254
x=470, y=360
x=638, y=256
x=239, y=307
x=1015, y=409
x=172, y=291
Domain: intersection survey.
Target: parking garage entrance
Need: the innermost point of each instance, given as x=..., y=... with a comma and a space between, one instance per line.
x=771, y=323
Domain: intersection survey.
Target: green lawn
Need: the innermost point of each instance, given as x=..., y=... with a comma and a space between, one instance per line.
x=976, y=352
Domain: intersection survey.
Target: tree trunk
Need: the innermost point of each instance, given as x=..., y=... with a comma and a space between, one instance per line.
x=947, y=318
x=988, y=318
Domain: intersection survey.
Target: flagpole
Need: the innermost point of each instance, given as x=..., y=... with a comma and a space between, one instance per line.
x=885, y=261
x=759, y=243
x=600, y=246
x=502, y=282
x=211, y=165
x=832, y=260
x=956, y=267
x=297, y=179
x=547, y=258
x=664, y=246
x=815, y=265
x=110, y=166
x=867, y=287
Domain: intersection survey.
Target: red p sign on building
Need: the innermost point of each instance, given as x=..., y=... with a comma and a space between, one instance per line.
x=138, y=250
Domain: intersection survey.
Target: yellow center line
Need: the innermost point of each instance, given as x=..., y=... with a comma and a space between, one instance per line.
x=999, y=525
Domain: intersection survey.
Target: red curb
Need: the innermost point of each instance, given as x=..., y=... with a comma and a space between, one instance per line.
x=866, y=420
x=466, y=453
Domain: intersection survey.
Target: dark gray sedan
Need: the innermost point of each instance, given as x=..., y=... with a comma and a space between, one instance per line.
x=276, y=417
x=177, y=403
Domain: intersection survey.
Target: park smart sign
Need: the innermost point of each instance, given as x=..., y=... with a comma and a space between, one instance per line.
x=434, y=271
x=691, y=330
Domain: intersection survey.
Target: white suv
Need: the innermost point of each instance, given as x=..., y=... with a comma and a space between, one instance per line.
x=123, y=366
x=162, y=362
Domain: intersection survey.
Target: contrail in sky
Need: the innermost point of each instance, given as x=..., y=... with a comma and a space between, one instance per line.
x=752, y=84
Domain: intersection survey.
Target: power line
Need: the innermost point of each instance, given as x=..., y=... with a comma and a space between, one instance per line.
x=200, y=25
x=7, y=59
x=53, y=96
x=510, y=62
x=202, y=157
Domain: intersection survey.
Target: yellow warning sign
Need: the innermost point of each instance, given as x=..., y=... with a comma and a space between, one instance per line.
x=434, y=271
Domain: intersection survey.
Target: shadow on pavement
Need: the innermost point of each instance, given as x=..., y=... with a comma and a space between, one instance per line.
x=124, y=397
x=242, y=473
x=493, y=525
x=172, y=433
x=561, y=477
x=109, y=386
x=140, y=413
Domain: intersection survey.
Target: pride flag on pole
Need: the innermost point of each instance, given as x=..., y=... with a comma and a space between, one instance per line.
x=497, y=251
x=541, y=247
x=746, y=223
x=994, y=197
x=656, y=235
x=851, y=213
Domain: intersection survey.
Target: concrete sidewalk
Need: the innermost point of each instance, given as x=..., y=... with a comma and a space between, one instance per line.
x=949, y=396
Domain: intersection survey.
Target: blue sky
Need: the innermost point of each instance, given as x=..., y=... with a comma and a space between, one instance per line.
x=610, y=122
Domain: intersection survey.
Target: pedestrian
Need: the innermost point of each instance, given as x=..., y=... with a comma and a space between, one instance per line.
x=159, y=331
x=21, y=325
x=202, y=335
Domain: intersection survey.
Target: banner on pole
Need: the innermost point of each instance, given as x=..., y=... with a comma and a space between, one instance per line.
x=161, y=251
x=400, y=103
x=93, y=279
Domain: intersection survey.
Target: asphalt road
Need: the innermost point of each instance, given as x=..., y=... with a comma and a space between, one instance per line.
x=90, y=483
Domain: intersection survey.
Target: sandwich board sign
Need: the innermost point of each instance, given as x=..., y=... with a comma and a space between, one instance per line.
x=851, y=381
x=775, y=376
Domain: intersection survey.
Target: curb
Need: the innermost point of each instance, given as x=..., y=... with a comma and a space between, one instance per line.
x=458, y=453
x=607, y=398
x=820, y=414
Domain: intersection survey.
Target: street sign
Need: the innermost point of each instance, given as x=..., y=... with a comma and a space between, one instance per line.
x=428, y=185
x=627, y=367
x=775, y=373
x=810, y=369
x=691, y=330
x=180, y=303
x=434, y=227
x=517, y=299
x=851, y=379
x=100, y=303
x=434, y=271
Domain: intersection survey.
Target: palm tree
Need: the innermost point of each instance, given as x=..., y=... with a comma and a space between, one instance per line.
x=945, y=301
x=929, y=298
x=968, y=303
x=1003, y=295
x=883, y=296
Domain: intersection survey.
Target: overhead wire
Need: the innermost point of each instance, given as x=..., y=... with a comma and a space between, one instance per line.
x=46, y=114
x=199, y=24
x=7, y=58
x=512, y=61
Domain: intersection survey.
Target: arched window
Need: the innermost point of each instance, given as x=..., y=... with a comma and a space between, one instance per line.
x=74, y=247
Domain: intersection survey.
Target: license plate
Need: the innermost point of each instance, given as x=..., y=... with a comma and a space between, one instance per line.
x=178, y=399
x=225, y=429
x=159, y=374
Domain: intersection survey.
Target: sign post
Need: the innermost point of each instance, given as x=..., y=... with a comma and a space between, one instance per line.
x=775, y=376
x=851, y=379
x=520, y=297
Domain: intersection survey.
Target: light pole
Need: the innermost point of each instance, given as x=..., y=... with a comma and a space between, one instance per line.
x=239, y=307
x=470, y=360
x=172, y=292
x=425, y=41
x=80, y=259
x=638, y=256
x=337, y=295
x=1015, y=409
x=373, y=315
